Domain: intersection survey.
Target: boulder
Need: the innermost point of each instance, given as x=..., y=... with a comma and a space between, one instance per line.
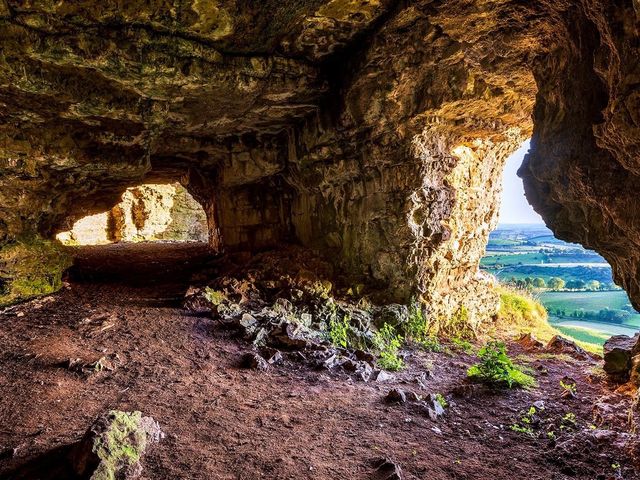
x=254, y=361
x=529, y=342
x=114, y=445
x=386, y=469
x=617, y=355
x=559, y=345
x=393, y=314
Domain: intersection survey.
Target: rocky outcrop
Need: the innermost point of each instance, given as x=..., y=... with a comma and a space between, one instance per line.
x=145, y=213
x=373, y=132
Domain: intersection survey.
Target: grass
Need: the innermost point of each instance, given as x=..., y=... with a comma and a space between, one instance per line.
x=520, y=313
x=593, y=338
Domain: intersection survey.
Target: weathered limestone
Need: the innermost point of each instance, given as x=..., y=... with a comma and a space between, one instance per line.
x=373, y=132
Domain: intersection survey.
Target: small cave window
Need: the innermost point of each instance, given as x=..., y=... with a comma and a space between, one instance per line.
x=148, y=212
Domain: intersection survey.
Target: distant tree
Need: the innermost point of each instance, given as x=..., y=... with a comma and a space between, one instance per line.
x=539, y=282
x=593, y=285
x=556, y=283
x=576, y=284
x=528, y=281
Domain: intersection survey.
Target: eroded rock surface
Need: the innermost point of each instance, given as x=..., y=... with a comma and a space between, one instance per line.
x=374, y=132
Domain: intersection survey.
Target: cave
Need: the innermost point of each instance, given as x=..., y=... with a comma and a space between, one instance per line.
x=354, y=147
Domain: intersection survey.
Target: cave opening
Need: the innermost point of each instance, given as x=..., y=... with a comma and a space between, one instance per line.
x=574, y=284
x=145, y=213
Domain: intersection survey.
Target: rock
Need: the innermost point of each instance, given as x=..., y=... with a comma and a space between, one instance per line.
x=634, y=372
x=368, y=357
x=261, y=152
x=392, y=314
x=433, y=407
x=396, y=395
x=413, y=397
x=364, y=372
x=249, y=324
x=561, y=345
x=254, y=361
x=272, y=355
x=617, y=355
x=386, y=469
x=382, y=376
x=289, y=335
x=114, y=445
x=529, y=342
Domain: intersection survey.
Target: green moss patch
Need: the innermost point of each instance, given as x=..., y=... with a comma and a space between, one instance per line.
x=30, y=268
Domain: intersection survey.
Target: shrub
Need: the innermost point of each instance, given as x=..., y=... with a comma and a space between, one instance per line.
x=387, y=342
x=497, y=369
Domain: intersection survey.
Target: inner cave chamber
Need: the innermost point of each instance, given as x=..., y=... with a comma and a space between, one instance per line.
x=373, y=133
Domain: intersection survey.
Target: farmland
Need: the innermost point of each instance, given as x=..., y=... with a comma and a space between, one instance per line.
x=574, y=284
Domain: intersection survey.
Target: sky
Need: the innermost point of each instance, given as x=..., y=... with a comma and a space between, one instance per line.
x=514, y=207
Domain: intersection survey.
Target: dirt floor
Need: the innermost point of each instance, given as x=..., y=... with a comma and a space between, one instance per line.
x=221, y=421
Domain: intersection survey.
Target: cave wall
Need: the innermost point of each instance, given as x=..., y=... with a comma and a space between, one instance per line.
x=374, y=132
x=583, y=172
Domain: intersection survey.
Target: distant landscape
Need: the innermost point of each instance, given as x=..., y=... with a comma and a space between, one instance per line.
x=574, y=284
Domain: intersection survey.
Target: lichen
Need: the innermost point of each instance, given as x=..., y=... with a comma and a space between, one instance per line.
x=31, y=267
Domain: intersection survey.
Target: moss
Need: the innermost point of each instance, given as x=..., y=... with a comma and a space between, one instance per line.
x=214, y=296
x=30, y=268
x=120, y=446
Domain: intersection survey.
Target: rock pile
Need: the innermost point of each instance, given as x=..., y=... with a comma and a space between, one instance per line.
x=280, y=303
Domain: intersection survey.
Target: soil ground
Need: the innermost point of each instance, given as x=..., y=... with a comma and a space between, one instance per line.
x=289, y=422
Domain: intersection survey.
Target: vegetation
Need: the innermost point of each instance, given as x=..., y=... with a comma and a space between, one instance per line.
x=417, y=329
x=520, y=313
x=339, y=330
x=387, y=343
x=525, y=423
x=496, y=368
x=441, y=400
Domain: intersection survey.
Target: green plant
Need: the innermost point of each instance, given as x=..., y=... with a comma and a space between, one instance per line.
x=339, y=330
x=417, y=329
x=387, y=342
x=441, y=400
x=462, y=345
x=526, y=421
x=569, y=388
x=496, y=368
x=568, y=422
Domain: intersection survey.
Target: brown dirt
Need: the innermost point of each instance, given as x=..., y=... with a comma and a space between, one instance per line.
x=290, y=422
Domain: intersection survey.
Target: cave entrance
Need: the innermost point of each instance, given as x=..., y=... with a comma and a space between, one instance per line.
x=147, y=212
x=575, y=285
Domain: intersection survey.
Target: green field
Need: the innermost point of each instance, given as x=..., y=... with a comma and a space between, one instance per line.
x=516, y=252
x=588, y=300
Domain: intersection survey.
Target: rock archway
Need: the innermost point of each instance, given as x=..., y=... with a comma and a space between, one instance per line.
x=373, y=132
